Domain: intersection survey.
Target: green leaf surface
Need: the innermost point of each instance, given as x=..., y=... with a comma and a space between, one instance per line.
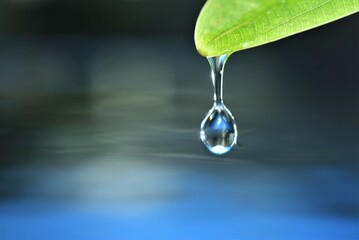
x=227, y=26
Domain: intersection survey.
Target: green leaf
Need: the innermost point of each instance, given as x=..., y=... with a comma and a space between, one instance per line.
x=227, y=26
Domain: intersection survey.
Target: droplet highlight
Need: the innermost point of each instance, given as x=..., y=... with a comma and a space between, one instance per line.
x=218, y=129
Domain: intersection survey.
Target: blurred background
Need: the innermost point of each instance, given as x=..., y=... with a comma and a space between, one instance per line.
x=100, y=107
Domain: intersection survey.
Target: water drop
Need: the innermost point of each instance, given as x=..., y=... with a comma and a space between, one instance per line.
x=218, y=128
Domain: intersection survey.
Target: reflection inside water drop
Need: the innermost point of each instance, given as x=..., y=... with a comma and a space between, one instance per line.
x=218, y=128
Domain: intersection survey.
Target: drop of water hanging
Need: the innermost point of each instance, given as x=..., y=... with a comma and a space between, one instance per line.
x=218, y=129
